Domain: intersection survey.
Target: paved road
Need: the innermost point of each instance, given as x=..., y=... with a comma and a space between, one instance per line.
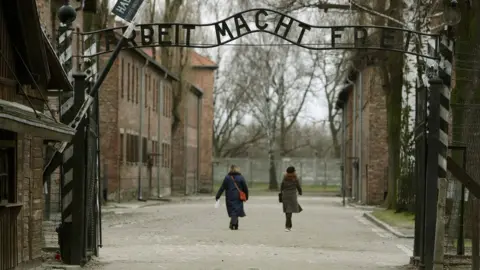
x=194, y=235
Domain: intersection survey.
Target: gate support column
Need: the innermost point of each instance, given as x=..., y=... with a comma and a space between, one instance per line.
x=420, y=167
x=444, y=101
x=431, y=181
x=71, y=231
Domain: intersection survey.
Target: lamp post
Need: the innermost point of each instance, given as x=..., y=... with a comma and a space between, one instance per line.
x=451, y=13
x=67, y=14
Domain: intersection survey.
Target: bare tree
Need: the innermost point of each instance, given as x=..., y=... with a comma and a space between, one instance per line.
x=177, y=59
x=280, y=86
x=333, y=72
x=230, y=107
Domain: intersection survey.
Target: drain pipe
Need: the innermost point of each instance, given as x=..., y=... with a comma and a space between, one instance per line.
x=354, y=141
x=140, y=136
x=359, y=87
x=360, y=139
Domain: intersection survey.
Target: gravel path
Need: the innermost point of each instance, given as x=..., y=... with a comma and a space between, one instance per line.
x=194, y=235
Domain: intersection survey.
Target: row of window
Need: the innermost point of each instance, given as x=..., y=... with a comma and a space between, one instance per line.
x=129, y=88
x=129, y=151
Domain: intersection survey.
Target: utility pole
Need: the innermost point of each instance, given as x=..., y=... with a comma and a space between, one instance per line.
x=271, y=168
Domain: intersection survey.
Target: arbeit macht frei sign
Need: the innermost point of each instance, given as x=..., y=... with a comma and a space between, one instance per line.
x=241, y=25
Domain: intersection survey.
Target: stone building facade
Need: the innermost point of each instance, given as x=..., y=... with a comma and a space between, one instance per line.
x=365, y=151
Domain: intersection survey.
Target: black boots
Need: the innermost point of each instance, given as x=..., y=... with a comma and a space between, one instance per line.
x=233, y=226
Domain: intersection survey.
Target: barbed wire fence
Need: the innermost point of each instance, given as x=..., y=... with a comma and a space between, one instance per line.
x=465, y=151
x=315, y=173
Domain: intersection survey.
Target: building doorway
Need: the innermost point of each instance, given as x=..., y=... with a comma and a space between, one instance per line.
x=8, y=200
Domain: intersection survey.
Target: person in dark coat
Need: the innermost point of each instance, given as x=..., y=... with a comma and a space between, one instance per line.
x=290, y=186
x=232, y=195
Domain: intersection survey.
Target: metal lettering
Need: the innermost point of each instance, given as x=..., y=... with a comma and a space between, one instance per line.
x=110, y=40
x=222, y=30
x=164, y=35
x=189, y=28
x=257, y=19
x=132, y=37
x=286, y=25
x=304, y=28
x=241, y=23
x=122, y=6
x=360, y=40
x=387, y=35
x=146, y=34
x=335, y=35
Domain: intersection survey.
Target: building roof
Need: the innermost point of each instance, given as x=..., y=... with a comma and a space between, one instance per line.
x=20, y=118
x=148, y=56
x=200, y=61
x=37, y=65
x=59, y=77
x=23, y=24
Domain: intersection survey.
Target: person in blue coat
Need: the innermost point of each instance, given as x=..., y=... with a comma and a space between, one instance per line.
x=233, y=183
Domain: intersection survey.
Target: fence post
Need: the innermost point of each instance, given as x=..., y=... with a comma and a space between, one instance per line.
x=431, y=181
x=461, y=234
x=71, y=231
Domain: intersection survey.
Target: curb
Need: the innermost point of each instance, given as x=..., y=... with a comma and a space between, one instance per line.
x=362, y=207
x=61, y=267
x=385, y=226
x=151, y=202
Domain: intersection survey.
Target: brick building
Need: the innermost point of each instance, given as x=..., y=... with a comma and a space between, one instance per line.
x=203, y=75
x=127, y=114
x=161, y=163
x=28, y=68
x=365, y=148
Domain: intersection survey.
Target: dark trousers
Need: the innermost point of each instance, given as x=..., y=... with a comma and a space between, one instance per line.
x=234, y=220
x=288, y=223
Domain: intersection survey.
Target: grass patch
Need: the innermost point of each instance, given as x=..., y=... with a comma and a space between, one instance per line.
x=400, y=220
x=263, y=187
x=467, y=243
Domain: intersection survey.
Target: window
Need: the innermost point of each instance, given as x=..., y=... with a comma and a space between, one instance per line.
x=155, y=95
x=146, y=90
x=137, y=85
x=128, y=82
x=121, y=148
x=136, y=149
x=134, y=80
x=8, y=188
x=144, y=150
x=132, y=148
x=129, y=149
x=164, y=100
x=165, y=155
x=167, y=101
x=122, y=88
